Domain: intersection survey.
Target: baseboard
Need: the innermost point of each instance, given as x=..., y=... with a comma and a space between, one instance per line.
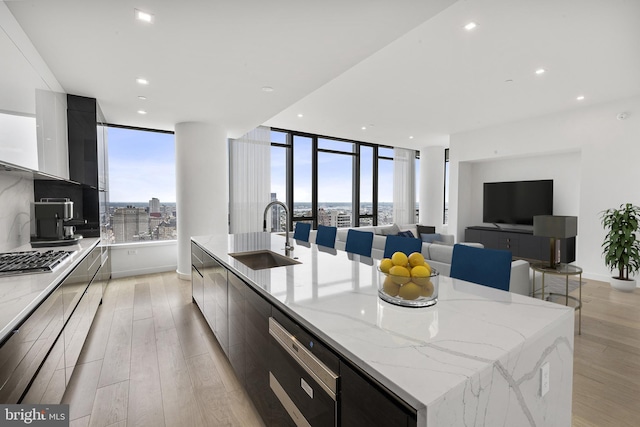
x=141, y=271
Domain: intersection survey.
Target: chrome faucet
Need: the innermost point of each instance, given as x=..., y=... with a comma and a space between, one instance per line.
x=287, y=246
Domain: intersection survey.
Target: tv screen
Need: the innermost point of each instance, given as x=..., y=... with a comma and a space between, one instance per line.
x=517, y=202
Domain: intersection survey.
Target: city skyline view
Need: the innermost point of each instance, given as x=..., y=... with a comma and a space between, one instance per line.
x=141, y=166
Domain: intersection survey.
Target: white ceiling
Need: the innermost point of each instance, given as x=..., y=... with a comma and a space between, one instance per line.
x=406, y=67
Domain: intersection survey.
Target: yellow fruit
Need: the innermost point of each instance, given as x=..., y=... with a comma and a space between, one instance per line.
x=390, y=287
x=385, y=265
x=427, y=289
x=399, y=258
x=399, y=274
x=416, y=259
x=410, y=291
x=420, y=274
x=428, y=267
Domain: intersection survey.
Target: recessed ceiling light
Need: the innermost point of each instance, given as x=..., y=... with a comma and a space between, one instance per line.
x=142, y=98
x=142, y=112
x=540, y=71
x=142, y=81
x=300, y=115
x=363, y=128
x=470, y=26
x=267, y=89
x=143, y=16
x=411, y=137
x=580, y=98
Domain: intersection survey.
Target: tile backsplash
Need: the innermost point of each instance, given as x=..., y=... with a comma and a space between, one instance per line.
x=16, y=195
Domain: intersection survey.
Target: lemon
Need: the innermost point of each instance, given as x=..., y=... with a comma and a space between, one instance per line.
x=399, y=258
x=416, y=259
x=385, y=265
x=399, y=274
x=420, y=274
x=428, y=267
x=390, y=287
x=427, y=289
x=410, y=291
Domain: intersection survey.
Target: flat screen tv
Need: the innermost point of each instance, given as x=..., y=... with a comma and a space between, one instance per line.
x=517, y=202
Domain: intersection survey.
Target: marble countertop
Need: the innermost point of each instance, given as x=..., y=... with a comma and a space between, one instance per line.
x=20, y=294
x=424, y=355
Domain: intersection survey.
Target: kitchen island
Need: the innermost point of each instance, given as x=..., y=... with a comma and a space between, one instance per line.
x=474, y=358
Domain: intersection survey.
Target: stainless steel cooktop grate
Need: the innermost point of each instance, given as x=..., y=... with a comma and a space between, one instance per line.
x=31, y=261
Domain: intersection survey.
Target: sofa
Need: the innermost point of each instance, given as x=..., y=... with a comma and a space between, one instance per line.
x=438, y=253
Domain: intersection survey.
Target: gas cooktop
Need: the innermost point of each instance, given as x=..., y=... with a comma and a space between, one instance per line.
x=12, y=263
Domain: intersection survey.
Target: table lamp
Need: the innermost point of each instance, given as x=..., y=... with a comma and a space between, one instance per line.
x=555, y=227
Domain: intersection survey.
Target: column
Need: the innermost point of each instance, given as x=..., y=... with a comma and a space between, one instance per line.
x=201, y=186
x=432, y=186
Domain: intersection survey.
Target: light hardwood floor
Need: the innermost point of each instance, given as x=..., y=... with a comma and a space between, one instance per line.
x=606, y=363
x=151, y=360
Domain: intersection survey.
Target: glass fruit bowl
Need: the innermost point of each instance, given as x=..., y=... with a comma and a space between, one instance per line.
x=408, y=291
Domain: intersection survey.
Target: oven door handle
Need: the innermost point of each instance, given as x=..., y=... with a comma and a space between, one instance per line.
x=320, y=373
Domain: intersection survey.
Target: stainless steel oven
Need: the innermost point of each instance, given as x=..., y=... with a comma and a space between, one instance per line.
x=304, y=384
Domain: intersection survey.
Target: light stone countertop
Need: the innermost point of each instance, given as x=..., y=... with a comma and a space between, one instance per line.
x=21, y=294
x=472, y=359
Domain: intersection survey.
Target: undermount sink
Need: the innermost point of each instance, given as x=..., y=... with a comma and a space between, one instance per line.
x=259, y=260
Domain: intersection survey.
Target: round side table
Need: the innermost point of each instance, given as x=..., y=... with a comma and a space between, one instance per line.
x=565, y=270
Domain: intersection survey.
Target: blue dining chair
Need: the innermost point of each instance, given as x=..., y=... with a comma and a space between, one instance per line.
x=488, y=267
x=302, y=231
x=359, y=242
x=326, y=236
x=407, y=245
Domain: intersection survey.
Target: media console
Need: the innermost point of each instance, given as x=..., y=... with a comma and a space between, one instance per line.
x=522, y=243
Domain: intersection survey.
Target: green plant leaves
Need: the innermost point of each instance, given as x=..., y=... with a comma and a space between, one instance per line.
x=621, y=248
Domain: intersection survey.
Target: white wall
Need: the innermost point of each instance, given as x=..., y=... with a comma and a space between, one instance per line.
x=607, y=167
x=432, y=187
x=132, y=259
x=563, y=168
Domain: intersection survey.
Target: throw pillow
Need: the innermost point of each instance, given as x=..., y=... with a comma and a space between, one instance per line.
x=425, y=229
x=430, y=238
x=391, y=230
x=407, y=233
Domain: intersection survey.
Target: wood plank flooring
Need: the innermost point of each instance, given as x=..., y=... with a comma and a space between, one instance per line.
x=151, y=360
x=606, y=370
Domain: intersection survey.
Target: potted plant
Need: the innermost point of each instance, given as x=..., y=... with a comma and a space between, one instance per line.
x=621, y=247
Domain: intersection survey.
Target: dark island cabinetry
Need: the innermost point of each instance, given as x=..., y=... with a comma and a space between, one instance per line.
x=239, y=316
x=521, y=243
x=367, y=404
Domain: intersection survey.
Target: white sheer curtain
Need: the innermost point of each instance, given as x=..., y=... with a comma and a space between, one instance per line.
x=249, y=180
x=404, y=191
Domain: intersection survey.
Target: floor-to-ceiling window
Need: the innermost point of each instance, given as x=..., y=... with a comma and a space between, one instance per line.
x=385, y=185
x=367, y=188
x=142, y=185
x=335, y=182
x=279, y=151
x=332, y=181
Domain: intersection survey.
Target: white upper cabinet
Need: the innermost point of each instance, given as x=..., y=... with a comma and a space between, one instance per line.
x=33, y=111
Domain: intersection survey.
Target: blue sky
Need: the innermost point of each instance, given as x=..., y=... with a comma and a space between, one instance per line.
x=141, y=166
x=334, y=173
